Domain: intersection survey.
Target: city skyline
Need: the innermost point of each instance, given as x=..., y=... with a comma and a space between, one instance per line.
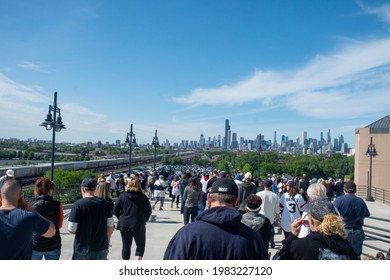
x=230, y=142
x=183, y=68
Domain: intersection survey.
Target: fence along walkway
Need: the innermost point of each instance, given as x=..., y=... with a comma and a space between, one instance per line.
x=377, y=232
x=379, y=195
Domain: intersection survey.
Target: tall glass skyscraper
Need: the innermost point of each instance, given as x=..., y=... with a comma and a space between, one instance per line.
x=226, y=143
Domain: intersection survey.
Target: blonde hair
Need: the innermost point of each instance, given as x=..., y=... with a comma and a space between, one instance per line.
x=133, y=186
x=103, y=190
x=331, y=225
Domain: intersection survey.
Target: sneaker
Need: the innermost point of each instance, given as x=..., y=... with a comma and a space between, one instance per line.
x=153, y=207
x=161, y=209
x=171, y=205
x=272, y=244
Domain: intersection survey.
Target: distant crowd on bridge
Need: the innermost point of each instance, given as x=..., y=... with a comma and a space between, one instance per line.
x=225, y=216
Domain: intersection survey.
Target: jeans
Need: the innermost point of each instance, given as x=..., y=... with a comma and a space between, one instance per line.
x=49, y=255
x=201, y=208
x=190, y=212
x=355, y=238
x=161, y=199
x=91, y=255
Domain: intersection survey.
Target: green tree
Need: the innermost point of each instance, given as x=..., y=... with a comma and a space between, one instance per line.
x=249, y=158
x=30, y=155
x=223, y=165
x=20, y=155
x=247, y=168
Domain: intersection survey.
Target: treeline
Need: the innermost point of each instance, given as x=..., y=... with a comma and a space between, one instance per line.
x=322, y=166
x=22, y=151
x=335, y=165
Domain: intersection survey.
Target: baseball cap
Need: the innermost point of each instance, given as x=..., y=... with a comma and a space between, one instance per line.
x=88, y=183
x=225, y=186
x=10, y=173
x=319, y=208
x=248, y=175
x=291, y=184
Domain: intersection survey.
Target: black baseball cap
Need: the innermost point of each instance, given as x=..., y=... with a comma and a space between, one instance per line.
x=224, y=185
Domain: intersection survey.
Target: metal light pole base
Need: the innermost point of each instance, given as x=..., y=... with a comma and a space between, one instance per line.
x=370, y=198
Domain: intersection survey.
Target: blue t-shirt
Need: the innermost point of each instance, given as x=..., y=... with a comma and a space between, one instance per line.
x=353, y=209
x=16, y=233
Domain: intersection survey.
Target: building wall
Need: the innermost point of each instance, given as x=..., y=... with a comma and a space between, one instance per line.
x=380, y=163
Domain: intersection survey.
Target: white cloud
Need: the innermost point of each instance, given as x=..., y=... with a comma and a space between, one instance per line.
x=32, y=66
x=340, y=78
x=11, y=91
x=382, y=12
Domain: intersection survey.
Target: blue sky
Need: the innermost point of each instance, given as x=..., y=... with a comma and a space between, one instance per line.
x=184, y=66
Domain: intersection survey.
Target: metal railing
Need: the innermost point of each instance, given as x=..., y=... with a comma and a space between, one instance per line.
x=377, y=238
x=379, y=195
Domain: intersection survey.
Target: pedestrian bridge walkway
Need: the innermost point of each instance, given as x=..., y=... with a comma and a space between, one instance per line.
x=164, y=224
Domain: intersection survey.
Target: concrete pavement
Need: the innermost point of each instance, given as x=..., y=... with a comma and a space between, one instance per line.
x=164, y=224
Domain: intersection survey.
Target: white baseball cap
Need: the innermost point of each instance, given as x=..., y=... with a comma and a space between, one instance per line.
x=10, y=173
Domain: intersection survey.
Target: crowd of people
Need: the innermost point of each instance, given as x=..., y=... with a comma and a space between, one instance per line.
x=239, y=215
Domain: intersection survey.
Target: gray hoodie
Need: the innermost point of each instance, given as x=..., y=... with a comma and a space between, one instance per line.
x=253, y=220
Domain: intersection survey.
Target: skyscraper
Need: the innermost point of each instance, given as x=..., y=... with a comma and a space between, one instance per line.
x=226, y=140
x=234, y=141
x=275, y=143
x=202, y=141
x=304, y=138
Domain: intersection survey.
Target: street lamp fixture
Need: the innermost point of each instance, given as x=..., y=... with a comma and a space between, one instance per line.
x=130, y=140
x=371, y=152
x=55, y=123
x=155, y=144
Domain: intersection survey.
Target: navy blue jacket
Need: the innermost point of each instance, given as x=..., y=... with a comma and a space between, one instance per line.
x=217, y=234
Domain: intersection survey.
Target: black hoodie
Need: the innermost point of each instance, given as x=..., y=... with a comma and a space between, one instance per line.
x=317, y=246
x=132, y=210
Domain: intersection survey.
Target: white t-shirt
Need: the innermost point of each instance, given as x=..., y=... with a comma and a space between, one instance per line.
x=111, y=181
x=270, y=205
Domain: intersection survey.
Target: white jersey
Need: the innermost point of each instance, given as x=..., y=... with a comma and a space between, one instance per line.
x=270, y=205
x=291, y=208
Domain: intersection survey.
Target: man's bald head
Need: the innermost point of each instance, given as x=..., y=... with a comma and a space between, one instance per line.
x=11, y=190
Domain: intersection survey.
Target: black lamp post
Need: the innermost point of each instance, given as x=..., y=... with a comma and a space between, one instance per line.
x=55, y=123
x=130, y=140
x=156, y=144
x=371, y=152
x=258, y=162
